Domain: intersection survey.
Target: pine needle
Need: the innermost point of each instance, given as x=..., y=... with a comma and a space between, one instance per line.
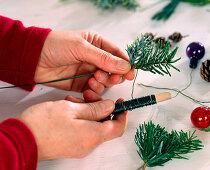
x=156, y=146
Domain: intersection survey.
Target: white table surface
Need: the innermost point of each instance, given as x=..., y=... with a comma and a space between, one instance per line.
x=122, y=27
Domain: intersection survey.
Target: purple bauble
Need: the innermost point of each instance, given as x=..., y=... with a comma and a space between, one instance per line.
x=195, y=51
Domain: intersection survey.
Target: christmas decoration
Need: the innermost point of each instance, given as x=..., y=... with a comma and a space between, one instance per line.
x=162, y=40
x=149, y=34
x=169, y=9
x=205, y=70
x=176, y=37
x=195, y=51
x=111, y=4
x=200, y=117
x=156, y=146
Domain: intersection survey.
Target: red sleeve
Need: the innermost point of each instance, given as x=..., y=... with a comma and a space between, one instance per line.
x=20, y=49
x=18, y=149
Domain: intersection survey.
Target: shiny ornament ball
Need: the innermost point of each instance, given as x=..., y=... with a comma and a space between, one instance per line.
x=195, y=51
x=200, y=117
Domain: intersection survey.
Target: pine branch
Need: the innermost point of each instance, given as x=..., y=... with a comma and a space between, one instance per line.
x=156, y=146
x=197, y=2
x=169, y=9
x=206, y=129
x=143, y=55
x=111, y=4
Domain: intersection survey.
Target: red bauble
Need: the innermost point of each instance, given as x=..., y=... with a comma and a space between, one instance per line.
x=200, y=117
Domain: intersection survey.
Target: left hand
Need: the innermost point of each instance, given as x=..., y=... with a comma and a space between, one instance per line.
x=71, y=53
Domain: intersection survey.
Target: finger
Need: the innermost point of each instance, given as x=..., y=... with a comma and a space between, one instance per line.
x=113, y=49
x=112, y=128
x=90, y=96
x=130, y=75
x=103, y=78
x=98, y=41
x=74, y=99
x=95, y=111
x=123, y=115
x=116, y=79
x=104, y=60
x=95, y=85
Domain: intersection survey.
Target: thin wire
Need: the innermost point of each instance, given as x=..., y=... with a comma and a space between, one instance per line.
x=187, y=85
x=134, y=83
x=180, y=92
x=52, y=81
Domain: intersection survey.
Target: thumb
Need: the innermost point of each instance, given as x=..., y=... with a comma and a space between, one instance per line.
x=95, y=111
x=105, y=60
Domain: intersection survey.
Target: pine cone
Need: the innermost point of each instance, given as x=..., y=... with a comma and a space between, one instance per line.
x=176, y=37
x=205, y=70
x=149, y=34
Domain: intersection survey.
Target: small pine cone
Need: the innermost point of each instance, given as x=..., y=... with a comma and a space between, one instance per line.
x=162, y=40
x=176, y=37
x=205, y=70
x=151, y=35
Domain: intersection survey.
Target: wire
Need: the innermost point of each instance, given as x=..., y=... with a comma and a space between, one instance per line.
x=52, y=81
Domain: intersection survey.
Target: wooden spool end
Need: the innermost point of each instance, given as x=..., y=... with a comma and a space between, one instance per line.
x=163, y=96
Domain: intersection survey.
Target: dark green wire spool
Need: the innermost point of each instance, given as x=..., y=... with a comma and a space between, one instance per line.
x=132, y=104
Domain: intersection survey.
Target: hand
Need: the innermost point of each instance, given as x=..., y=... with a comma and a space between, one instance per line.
x=70, y=53
x=65, y=129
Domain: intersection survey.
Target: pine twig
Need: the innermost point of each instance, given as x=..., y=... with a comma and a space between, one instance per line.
x=169, y=9
x=143, y=56
x=111, y=4
x=156, y=146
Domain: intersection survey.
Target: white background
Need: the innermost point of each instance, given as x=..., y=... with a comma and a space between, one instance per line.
x=122, y=27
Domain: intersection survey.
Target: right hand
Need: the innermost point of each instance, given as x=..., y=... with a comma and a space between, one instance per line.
x=65, y=129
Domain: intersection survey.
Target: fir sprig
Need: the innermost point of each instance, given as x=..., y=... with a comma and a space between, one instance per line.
x=169, y=9
x=206, y=129
x=143, y=55
x=156, y=146
x=111, y=4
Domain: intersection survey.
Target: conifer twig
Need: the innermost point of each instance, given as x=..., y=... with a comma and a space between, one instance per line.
x=156, y=146
x=143, y=55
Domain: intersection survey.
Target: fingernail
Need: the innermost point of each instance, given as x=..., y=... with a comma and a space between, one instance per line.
x=123, y=65
x=103, y=77
x=107, y=106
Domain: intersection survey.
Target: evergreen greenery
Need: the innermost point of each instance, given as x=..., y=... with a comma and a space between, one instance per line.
x=145, y=56
x=156, y=146
x=168, y=10
x=111, y=4
x=206, y=129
